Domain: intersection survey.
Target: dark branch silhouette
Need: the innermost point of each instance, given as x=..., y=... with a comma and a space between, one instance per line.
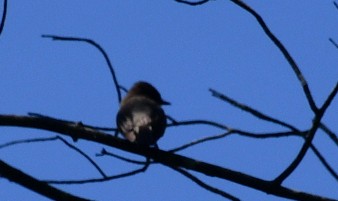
x=15, y=142
x=53, y=139
x=335, y=4
x=324, y=162
x=284, y=51
x=309, y=137
x=163, y=157
x=35, y=185
x=199, y=141
x=105, y=55
x=251, y=111
x=104, y=152
x=196, y=3
x=3, y=18
x=329, y=133
x=84, y=155
x=333, y=42
x=95, y=180
x=204, y=185
x=196, y=122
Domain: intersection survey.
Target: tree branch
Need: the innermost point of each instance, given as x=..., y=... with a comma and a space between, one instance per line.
x=166, y=158
x=335, y=4
x=104, y=152
x=108, y=178
x=195, y=122
x=197, y=3
x=324, y=162
x=105, y=55
x=204, y=185
x=91, y=161
x=333, y=42
x=199, y=141
x=283, y=50
x=250, y=110
x=3, y=18
x=329, y=133
x=309, y=138
x=25, y=180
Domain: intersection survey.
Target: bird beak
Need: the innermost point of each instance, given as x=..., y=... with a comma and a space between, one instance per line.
x=165, y=102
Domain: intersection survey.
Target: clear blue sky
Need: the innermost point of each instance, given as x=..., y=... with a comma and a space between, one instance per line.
x=183, y=51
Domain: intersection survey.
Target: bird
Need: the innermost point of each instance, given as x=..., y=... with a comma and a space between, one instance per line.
x=140, y=118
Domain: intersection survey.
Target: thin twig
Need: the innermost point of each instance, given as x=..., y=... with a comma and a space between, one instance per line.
x=105, y=55
x=283, y=50
x=309, y=138
x=324, y=162
x=333, y=42
x=330, y=133
x=15, y=142
x=238, y=132
x=84, y=155
x=203, y=122
x=204, y=185
x=199, y=141
x=108, y=178
x=197, y=3
x=269, y=135
x=53, y=139
x=335, y=4
x=106, y=153
x=3, y=18
x=250, y=110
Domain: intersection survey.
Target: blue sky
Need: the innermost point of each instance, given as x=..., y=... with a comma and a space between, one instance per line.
x=183, y=51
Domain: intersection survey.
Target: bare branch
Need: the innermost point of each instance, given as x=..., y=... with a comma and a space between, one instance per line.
x=108, y=178
x=166, y=158
x=84, y=155
x=309, y=138
x=269, y=135
x=324, y=162
x=204, y=185
x=238, y=132
x=329, y=133
x=250, y=110
x=15, y=142
x=195, y=122
x=197, y=3
x=333, y=42
x=27, y=181
x=259, y=136
x=199, y=141
x=106, y=153
x=53, y=139
x=283, y=50
x=329, y=99
x=3, y=18
x=102, y=51
x=335, y=4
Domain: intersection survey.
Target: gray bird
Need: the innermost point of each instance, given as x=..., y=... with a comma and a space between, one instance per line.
x=141, y=118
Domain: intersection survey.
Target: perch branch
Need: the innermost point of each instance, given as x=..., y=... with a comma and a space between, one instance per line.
x=166, y=158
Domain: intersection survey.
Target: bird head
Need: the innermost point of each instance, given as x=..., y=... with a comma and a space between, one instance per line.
x=145, y=89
